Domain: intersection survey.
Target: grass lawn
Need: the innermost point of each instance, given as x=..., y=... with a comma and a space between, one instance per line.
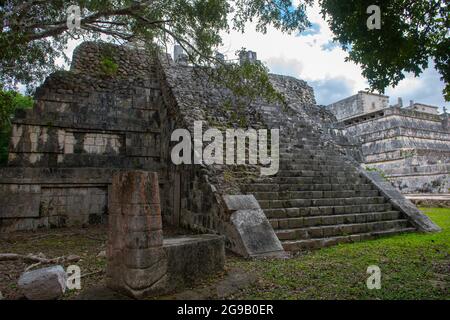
x=413, y=266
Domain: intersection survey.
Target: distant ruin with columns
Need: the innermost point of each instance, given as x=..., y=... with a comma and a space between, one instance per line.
x=409, y=145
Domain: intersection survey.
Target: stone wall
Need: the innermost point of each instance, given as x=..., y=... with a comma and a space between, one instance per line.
x=194, y=193
x=88, y=119
x=420, y=107
x=409, y=147
x=359, y=104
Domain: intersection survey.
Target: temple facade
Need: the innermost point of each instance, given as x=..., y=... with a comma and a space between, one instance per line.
x=409, y=145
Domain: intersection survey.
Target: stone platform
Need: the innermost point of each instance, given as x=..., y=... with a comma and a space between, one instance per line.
x=430, y=200
x=191, y=257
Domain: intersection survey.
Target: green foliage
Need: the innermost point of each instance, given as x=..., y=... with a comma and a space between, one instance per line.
x=37, y=31
x=10, y=101
x=381, y=172
x=248, y=83
x=412, y=34
x=249, y=79
x=108, y=66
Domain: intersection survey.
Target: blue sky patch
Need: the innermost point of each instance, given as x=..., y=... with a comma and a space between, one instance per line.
x=311, y=31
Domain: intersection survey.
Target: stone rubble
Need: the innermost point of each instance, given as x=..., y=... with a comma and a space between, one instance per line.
x=43, y=284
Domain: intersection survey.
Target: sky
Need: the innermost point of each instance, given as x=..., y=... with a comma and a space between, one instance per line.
x=313, y=57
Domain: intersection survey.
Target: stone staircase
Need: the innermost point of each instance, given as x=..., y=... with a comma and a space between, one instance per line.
x=318, y=197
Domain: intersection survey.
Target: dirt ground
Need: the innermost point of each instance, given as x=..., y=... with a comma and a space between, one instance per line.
x=89, y=244
x=86, y=243
x=415, y=266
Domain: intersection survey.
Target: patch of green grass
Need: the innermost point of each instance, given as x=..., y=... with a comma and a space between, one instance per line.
x=413, y=266
x=108, y=66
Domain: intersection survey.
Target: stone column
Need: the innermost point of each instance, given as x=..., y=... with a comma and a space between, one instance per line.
x=137, y=263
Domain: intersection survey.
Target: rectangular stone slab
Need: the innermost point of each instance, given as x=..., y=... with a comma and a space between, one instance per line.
x=192, y=257
x=256, y=233
x=240, y=202
x=19, y=201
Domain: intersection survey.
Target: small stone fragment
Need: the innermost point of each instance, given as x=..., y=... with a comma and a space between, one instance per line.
x=73, y=258
x=43, y=284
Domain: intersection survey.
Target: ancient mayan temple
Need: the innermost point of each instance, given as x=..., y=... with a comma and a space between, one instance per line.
x=88, y=123
x=409, y=145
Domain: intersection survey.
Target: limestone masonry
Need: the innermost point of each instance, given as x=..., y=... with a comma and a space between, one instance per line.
x=409, y=145
x=92, y=123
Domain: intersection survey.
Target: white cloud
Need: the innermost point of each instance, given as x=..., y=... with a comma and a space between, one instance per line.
x=287, y=66
x=313, y=58
x=426, y=89
x=330, y=90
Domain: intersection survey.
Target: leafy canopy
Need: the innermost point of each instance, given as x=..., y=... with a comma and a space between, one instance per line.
x=412, y=33
x=10, y=101
x=35, y=32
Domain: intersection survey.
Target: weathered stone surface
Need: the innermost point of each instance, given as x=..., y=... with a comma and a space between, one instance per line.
x=135, y=189
x=416, y=217
x=19, y=201
x=192, y=256
x=43, y=284
x=137, y=262
x=250, y=230
x=73, y=258
x=256, y=233
x=240, y=202
x=410, y=145
x=427, y=200
x=85, y=125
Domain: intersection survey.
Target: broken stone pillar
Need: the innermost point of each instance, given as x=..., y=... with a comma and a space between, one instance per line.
x=137, y=263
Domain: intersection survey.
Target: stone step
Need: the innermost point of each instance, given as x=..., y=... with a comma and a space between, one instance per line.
x=311, y=161
x=267, y=187
x=303, y=222
x=315, y=167
x=298, y=136
x=309, y=141
x=315, y=173
x=321, y=202
x=306, y=180
x=339, y=230
x=325, y=210
x=311, y=147
x=284, y=195
x=311, y=244
x=313, y=155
